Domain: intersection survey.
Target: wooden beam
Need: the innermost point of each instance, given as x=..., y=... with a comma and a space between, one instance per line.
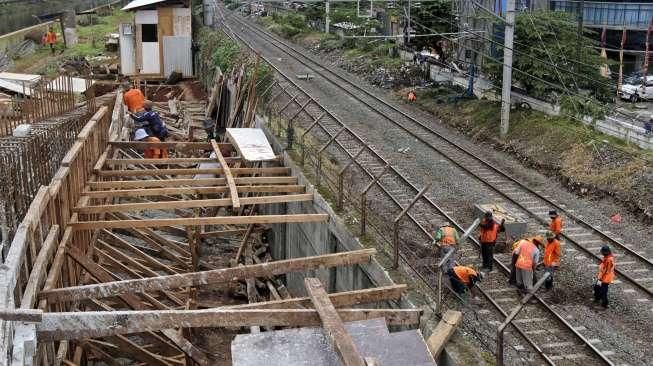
x=39, y=269
x=93, y=324
x=171, y=205
x=122, y=184
x=193, y=190
x=162, y=161
x=332, y=325
x=226, y=220
x=207, y=277
x=164, y=145
x=21, y=315
x=338, y=299
x=191, y=171
x=443, y=332
x=233, y=192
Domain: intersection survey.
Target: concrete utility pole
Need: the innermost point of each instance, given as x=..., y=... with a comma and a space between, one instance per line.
x=507, y=66
x=409, y=29
x=579, y=41
x=326, y=16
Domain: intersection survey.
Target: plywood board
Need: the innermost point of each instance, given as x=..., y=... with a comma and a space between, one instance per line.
x=182, y=21
x=146, y=17
x=251, y=144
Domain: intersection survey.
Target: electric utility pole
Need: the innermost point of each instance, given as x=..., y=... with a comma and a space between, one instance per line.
x=506, y=86
x=579, y=41
x=326, y=16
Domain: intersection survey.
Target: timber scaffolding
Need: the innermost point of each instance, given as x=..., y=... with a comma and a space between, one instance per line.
x=106, y=265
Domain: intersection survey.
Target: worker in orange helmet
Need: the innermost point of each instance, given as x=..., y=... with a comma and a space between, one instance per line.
x=551, y=261
x=463, y=278
x=447, y=237
x=526, y=256
x=412, y=96
x=50, y=39
x=604, y=277
x=150, y=153
x=556, y=223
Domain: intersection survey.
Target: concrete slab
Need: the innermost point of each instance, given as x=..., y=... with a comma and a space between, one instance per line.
x=309, y=346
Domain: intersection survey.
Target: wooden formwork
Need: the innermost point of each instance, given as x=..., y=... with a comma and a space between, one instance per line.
x=107, y=263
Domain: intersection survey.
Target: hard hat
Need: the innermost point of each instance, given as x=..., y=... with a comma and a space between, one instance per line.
x=140, y=134
x=538, y=238
x=488, y=214
x=553, y=213
x=550, y=235
x=605, y=250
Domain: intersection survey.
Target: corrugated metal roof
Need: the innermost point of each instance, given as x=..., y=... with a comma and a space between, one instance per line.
x=139, y=3
x=15, y=87
x=11, y=76
x=60, y=84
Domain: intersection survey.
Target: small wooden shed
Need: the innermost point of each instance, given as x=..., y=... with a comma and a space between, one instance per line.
x=159, y=41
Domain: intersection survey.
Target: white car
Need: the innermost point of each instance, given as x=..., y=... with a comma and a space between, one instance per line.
x=635, y=92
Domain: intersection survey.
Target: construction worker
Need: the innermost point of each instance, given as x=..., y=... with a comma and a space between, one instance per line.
x=447, y=237
x=556, y=223
x=151, y=121
x=133, y=98
x=412, y=96
x=488, y=238
x=463, y=278
x=604, y=277
x=150, y=153
x=551, y=261
x=50, y=39
x=525, y=258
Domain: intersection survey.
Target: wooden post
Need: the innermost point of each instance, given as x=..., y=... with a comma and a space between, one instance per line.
x=395, y=236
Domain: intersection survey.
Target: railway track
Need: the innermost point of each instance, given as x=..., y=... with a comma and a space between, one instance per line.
x=633, y=267
x=559, y=342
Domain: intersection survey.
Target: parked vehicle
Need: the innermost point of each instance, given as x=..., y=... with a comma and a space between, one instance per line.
x=634, y=90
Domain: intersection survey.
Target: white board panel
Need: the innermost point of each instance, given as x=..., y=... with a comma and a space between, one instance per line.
x=177, y=55
x=151, y=62
x=127, y=49
x=251, y=144
x=181, y=21
x=146, y=17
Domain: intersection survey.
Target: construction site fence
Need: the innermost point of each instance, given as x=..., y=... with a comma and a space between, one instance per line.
x=28, y=162
x=36, y=259
x=45, y=99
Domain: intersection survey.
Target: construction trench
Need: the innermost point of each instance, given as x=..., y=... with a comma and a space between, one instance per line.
x=126, y=260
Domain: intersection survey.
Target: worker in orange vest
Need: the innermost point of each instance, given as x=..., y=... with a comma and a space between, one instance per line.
x=133, y=98
x=604, y=277
x=412, y=96
x=154, y=152
x=551, y=261
x=463, y=278
x=525, y=258
x=49, y=39
x=488, y=238
x=447, y=237
x=556, y=223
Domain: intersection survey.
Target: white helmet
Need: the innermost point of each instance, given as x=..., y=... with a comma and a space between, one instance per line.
x=140, y=134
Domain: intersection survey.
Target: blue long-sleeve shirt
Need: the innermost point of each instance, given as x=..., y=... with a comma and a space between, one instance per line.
x=153, y=123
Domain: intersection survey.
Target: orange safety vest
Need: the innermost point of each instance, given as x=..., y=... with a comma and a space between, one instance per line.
x=50, y=38
x=556, y=225
x=463, y=273
x=489, y=235
x=155, y=153
x=606, y=269
x=552, y=254
x=134, y=100
x=448, y=236
x=525, y=260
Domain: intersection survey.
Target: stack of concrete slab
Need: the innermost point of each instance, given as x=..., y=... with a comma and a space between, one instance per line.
x=309, y=346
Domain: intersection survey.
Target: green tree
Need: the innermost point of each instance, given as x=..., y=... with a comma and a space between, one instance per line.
x=431, y=17
x=559, y=34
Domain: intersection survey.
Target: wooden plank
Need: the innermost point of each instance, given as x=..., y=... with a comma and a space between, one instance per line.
x=227, y=220
x=193, y=352
x=443, y=332
x=189, y=182
x=332, y=325
x=193, y=191
x=39, y=270
x=207, y=277
x=338, y=299
x=169, y=145
x=164, y=161
x=101, y=160
x=233, y=192
x=22, y=315
x=171, y=205
x=93, y=324
x=99, y=352
x=191, y=171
